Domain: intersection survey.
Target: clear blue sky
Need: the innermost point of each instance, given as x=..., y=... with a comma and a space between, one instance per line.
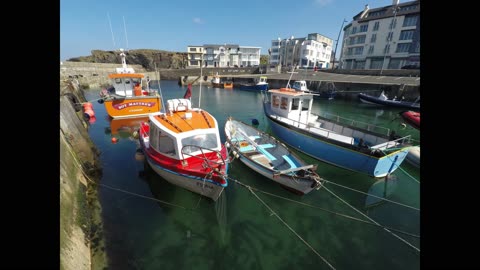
x=172, y=25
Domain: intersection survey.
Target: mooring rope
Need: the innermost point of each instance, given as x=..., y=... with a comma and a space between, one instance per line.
x=381, y=198
x=360, y=212
x=114, y=188
x=290, y=228
x=326, y=210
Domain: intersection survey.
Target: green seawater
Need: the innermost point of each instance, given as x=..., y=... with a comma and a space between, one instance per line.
x=151, y=224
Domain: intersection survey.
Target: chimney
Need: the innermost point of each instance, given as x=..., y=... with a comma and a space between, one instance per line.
x=365, y=10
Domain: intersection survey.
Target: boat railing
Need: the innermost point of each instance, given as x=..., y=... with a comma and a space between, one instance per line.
x=354, y=123
x=391, y=145
x=330, y=134
x=207, y=161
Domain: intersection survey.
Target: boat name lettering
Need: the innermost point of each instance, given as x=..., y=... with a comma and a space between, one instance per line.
x=201, y=185
x=131, y=104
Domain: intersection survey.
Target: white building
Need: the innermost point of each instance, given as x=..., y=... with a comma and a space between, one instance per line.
x=313, y=51
x=227, y=55
x=383, y=38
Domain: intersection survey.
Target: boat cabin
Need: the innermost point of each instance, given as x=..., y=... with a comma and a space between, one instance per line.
x=291, y=104
x=300, y=85
x=183, y=131
x=262, y=80
x=124, y=83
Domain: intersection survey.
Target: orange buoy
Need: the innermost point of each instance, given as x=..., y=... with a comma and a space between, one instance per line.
x=114, y=140
x=88, y=110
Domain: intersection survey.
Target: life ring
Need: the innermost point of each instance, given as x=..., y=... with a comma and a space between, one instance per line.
x=287, y=89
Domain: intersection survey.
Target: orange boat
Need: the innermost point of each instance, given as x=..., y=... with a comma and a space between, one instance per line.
x=228, y=85
x=127, y=96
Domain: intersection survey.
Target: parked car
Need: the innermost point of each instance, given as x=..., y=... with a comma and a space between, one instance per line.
x=410, y=67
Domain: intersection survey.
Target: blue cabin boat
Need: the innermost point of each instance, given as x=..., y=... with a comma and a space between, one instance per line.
x=345, y=143
x=260, y=85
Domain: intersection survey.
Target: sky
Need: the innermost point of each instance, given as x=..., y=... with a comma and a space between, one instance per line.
x=172, y=25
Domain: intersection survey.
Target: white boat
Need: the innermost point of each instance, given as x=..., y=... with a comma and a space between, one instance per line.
x=346, y=143
x=269, y=157
x=183, y=146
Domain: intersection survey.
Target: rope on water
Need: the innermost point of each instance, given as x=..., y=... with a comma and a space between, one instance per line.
x=401, y=168
x=113, y=188
x=292, y=230
x=360, y=212
x=381, y=198
x=326, y=210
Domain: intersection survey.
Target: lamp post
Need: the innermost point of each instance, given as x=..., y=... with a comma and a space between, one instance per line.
x=293, y=52
x=338, y=38
x=388, y=40
x=285, y=56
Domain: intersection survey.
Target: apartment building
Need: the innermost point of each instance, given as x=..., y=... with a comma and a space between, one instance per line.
x=315, y=50
x=383, y=38
x=226, y=55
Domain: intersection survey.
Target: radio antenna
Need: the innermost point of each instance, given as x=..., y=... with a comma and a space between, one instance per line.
x=125, y=27
x=113, y=39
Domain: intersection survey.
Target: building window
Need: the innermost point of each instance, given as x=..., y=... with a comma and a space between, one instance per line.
x=410, y=20
x=376, y=13
x=363, y=28
x=389, y=36
x=406, y=34
x=193, y=49
x=387, y=49
x=358, y=50
x=370, y=49
x=349, y=51
x=354, y=30
x=417, y=48
x=361, y=39
x=412, y=7
x=375, y=26
x=403, y=47
x=351, y=41
x=393, y=23
x=275, y=43
x=359, y=65
x=376, y=63
x=373, y=38
x=275, y=50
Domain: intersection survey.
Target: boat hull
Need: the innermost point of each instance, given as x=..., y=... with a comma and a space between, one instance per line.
x=217, y=85
x=325, y=150
x=413, y=156
x=301, y=187
x=123, y=107
x=199, y=185
x=391, y=103
x=254, y=87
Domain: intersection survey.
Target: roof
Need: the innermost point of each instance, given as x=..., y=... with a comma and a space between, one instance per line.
x=177, y=123
x=125, y=75
x=388, y=11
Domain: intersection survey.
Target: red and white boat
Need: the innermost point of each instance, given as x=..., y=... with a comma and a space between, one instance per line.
x=183, y=146
x=412, y=118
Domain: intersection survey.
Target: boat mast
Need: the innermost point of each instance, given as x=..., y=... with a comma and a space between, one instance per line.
x=201, y=75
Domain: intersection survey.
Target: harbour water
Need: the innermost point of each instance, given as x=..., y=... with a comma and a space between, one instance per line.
x=151, y=224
